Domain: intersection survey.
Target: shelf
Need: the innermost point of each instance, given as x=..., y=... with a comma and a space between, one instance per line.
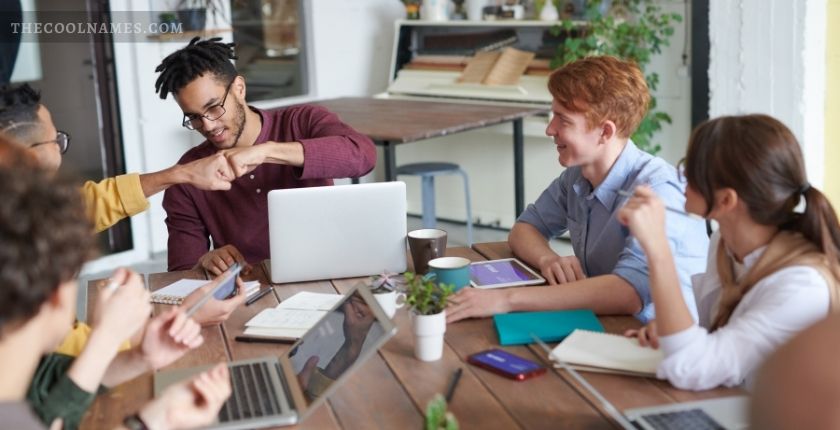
x=497, y=23
x=187, y=35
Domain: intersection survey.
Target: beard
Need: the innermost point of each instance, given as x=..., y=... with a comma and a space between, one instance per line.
x=239, y=123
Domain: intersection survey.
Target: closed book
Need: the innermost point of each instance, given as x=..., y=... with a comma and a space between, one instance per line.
x=550, y=326
x=604, y=352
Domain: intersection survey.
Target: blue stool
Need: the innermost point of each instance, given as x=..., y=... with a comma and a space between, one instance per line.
x=427, y=173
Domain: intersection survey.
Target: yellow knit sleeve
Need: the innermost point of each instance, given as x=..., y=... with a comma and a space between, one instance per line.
x=113, y=199
x=76, y=340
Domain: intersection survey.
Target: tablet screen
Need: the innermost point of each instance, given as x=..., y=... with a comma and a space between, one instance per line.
x=501, y=272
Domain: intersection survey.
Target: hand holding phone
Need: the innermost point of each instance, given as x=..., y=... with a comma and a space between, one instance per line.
x=225, y=288
x=506, y=364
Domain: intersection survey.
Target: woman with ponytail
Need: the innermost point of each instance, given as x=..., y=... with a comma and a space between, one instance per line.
x=773, y=266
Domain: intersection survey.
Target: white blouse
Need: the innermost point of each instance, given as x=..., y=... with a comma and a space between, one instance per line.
x=777, y=307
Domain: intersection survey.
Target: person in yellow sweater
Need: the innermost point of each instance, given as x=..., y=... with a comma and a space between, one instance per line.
x=27, y=121
x=24, y=118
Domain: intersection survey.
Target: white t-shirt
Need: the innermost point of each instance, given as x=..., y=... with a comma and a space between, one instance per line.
x=777, y=307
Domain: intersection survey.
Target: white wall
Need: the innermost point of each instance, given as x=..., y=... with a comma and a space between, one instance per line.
x=768, y=56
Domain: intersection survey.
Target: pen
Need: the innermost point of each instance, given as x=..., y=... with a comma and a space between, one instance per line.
x=453, y=383
x=626, y=193
x=265, y=339
x=258, y=296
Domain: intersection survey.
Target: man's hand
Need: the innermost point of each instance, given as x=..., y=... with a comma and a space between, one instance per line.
x=122, y=312
x=244, y=160
x=219, y=260
x=472, y=302
x=357, y=321
x=214, y=311
x=168, y=337
x=647, y=335
x=209, y=173
x=190, y=404
x=560, y=270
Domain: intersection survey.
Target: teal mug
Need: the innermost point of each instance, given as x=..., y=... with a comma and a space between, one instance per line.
x=451, y=270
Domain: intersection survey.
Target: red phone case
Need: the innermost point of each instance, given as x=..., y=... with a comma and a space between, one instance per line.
x=503, y=372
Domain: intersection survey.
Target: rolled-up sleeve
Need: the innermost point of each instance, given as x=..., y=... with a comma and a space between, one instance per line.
x=113, y=199
x=332, y=148
x=548, y=214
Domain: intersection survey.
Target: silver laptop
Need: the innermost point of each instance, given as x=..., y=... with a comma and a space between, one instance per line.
x=337, y=232
x=284, y=390
x=730, y=413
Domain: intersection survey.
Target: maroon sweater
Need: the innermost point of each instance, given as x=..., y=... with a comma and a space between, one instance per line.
x=239, y=216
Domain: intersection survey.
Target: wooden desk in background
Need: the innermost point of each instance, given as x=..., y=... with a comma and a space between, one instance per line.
x=389, y=122
x=391, y=390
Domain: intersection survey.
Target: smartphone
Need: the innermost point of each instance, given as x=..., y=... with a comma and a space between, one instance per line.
x=506, y=364
x=223, y=290
x=227, y=286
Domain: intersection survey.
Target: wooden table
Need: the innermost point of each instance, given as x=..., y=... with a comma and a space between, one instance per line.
x=390, y=391
x=389, y=122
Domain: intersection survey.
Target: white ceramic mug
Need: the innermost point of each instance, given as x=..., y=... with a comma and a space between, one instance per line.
x=390, y=302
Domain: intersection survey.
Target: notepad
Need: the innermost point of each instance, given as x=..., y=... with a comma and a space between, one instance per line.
x=550, y=326
x=604, y=352
x=292, y=317
x=174, y=293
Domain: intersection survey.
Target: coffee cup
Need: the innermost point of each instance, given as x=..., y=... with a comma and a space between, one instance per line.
x=426, y=244
x=451, y=270
x=390, y=302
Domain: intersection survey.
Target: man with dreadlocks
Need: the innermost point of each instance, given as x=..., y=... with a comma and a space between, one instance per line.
x=292, y=147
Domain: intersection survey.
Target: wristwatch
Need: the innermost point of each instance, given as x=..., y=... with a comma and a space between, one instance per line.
x=134, y=422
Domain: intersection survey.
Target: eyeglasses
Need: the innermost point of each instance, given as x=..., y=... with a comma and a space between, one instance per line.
x=681, y=171
x=193, y=121
x=61, y=138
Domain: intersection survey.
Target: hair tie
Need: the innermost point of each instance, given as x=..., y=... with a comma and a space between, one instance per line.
x=804, y=189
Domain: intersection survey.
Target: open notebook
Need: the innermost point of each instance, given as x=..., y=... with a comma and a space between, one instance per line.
x=174, y=293
x=604, y=352
x=292, y=317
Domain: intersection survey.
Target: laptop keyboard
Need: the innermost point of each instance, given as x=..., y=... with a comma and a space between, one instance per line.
x=254, y=395
x=692, y=419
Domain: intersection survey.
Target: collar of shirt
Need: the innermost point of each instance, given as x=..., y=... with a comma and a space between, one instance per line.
x=607, y=191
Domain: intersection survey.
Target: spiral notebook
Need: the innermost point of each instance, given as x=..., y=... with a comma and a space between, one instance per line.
x=174, y=293
x=609, y=353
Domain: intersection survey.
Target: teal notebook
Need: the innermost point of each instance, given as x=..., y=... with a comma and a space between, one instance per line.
x=550, y=326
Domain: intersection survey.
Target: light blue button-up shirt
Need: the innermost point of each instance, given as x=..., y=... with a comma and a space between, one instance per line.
x=601, y=243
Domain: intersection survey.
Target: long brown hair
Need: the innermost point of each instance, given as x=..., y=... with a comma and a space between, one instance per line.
x=758, y=157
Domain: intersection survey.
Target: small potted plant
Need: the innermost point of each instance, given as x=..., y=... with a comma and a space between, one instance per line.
x=427, y=300
x=437, y=418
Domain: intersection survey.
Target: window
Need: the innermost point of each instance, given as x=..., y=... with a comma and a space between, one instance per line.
x=269, y=37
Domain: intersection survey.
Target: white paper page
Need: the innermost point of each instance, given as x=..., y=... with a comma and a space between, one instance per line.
x=311, y=301
x=608, y=351
x=285, y=318
x=180, y=288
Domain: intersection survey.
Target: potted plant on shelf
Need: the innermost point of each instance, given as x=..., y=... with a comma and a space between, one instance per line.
x=437, y=418
x=193, y=13
x=427, y=300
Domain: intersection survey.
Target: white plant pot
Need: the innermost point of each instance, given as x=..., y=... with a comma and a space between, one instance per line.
x=435, y=10
x=475, y=9
x=428, y=335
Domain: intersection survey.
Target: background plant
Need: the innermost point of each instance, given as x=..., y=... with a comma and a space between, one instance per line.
x=426, y=296
x=437, y=417
x=634, y=30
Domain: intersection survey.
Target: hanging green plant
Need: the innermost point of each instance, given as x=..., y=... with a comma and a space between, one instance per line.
x=630, y=29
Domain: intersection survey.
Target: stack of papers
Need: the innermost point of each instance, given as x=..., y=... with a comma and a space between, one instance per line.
x=292, y=317
x=609, y=353
x=174, y=293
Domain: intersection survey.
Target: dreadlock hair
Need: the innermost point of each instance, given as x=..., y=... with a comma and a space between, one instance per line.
x=18, y=110
x=194, y=60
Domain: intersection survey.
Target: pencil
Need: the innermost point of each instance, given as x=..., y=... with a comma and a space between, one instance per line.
x=626, y=193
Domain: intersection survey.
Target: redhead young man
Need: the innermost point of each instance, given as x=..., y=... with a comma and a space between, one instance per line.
x=598, y=103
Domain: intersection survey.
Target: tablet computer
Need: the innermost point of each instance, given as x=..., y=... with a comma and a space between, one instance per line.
x=507, y=272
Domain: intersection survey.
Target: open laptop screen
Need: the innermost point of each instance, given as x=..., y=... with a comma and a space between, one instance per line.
x=334, y=344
